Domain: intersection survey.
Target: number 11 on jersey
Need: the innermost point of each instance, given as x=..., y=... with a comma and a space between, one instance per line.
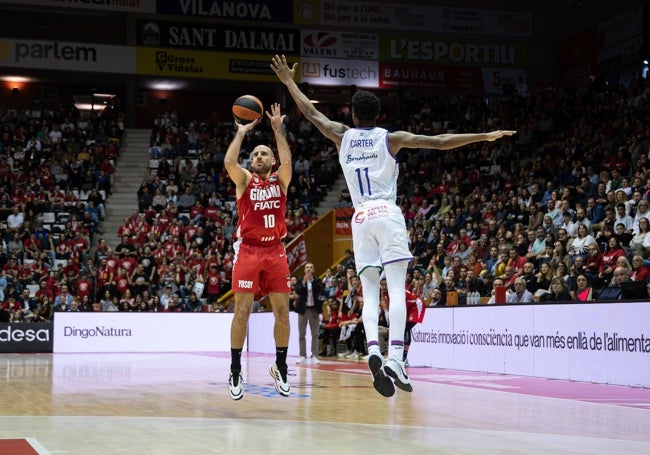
x=361, y=186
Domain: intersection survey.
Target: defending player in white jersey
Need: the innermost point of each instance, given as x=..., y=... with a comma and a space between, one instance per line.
x=367, y=156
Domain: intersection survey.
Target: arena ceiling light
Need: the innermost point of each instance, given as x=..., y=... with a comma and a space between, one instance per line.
x=166, y=84
x=20, y=79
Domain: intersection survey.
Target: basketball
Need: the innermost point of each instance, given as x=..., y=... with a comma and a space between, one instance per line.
x=247, y=108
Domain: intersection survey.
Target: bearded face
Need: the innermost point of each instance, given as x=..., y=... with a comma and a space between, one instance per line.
x=263, y=160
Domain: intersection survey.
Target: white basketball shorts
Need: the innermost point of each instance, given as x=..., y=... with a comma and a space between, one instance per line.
x=379, y=235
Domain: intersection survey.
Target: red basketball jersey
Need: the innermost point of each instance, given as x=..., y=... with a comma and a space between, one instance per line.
x=261, y=211
x=414, y=307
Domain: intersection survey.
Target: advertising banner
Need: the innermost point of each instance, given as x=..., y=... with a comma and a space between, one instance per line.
x=60, y=55
x=252, y=10
x=428, y=18
x=339, y=72
x=446, y=77
x=26, y=337
x=343, y=220
x=210, y=36
x=260, y=334
x=606, y=343
x=200, y=64
x=142, y=332
x=297, y=253
x=161, y=332
x=328, y=44
x=124, y=6
x=394, y=75
x=451, y=50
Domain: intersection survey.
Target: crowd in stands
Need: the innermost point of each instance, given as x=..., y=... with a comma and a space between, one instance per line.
x=567, y=198
x=56, y=170
x=175, y=252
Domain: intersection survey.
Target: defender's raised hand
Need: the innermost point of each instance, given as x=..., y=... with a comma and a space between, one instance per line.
x=281, y=68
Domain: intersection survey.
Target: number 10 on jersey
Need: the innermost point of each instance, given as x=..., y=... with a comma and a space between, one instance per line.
x=269, y=221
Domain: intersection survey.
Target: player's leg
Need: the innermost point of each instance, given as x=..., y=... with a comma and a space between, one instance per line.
x=243, y=305
x=275, y=281
x=280, y=306
x=370, y=313
x=395, y=257
x=395, y=278
x=245, y=278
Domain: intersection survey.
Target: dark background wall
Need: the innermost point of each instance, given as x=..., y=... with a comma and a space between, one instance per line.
x=553, y=22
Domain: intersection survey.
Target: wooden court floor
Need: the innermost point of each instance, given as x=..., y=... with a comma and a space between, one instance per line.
x=178, y=403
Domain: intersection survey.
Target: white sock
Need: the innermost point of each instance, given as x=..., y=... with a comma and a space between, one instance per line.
x=370, y=314
x=374, y=350
x=395, y=278
x=396, y=353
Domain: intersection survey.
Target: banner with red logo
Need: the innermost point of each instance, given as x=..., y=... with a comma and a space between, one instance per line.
x=296, y=253
x=343, y=217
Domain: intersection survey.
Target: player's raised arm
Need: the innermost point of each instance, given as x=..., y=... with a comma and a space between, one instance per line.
x=285, y=168
x=328, y=128
x=404, y=139
x=238, y=174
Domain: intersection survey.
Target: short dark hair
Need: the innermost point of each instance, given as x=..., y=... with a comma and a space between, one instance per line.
x=365, y=106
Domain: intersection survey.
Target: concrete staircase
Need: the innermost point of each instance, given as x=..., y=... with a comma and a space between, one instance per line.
x=330, y=199
x=131, y=168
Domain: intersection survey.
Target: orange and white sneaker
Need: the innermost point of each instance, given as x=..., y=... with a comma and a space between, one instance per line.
x=281, y=384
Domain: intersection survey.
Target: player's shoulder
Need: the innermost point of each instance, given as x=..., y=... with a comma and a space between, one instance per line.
x=340, y=129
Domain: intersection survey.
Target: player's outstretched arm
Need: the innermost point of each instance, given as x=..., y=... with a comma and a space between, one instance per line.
x=404, y=139
x=328, y=128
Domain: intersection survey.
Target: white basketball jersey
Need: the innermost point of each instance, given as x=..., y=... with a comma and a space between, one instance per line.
x=369, y=168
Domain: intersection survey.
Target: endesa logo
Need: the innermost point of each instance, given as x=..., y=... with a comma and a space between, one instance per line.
x=360, y=217
x=21, y=333
x=26, y=337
